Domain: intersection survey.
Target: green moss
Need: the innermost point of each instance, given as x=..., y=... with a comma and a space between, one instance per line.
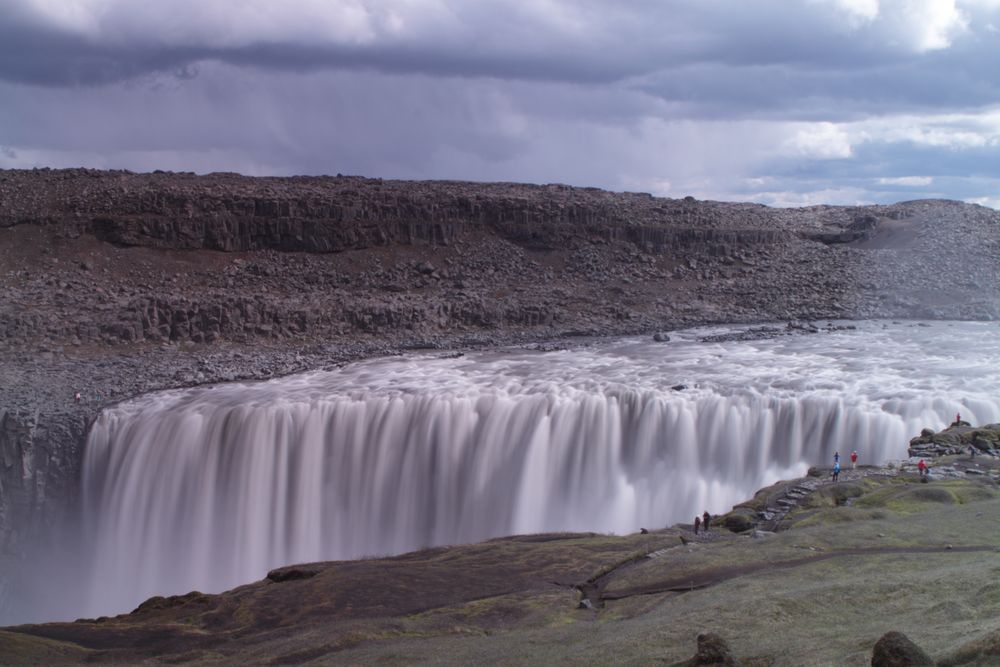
x=910, y=498
x=829, y=516
x=738, y=521
x=17, y=648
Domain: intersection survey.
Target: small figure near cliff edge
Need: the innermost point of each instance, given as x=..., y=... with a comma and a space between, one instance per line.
x=958, y=419
x=922, y=467
x=697, y=522
x=836, y=457
x=705, y=518
x=836, y=471
x=854, y=459
x=77, y=397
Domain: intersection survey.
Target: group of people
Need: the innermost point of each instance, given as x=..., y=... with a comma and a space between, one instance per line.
x=702, y=522
x=836, y=464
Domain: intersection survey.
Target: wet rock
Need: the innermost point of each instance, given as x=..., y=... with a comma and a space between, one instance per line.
x=894, y=649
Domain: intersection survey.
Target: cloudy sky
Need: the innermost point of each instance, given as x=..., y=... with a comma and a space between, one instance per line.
x=784, y=102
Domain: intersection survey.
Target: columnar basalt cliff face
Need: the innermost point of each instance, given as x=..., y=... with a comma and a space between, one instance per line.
x=116, y=283
x=120, y=258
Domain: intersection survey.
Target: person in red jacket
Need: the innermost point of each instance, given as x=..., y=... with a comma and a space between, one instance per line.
x=922, y=467
x=854, y=459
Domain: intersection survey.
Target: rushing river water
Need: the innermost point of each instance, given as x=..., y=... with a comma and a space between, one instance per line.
x=209, y=488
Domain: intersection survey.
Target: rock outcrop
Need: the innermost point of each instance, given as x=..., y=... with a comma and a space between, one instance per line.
x=957, y=439
x=116, y=258
x=895, y=649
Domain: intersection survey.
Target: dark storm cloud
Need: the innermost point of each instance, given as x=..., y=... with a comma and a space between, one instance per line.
x=488, y=39
x=774, y=100
x=712, y=54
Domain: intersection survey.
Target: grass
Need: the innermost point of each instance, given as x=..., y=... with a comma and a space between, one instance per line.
x=858, y=559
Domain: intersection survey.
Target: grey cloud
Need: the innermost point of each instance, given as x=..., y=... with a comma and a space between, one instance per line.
x=672, y=97
x=614, y=41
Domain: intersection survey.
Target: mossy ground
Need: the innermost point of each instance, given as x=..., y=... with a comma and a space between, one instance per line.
x=857, y=559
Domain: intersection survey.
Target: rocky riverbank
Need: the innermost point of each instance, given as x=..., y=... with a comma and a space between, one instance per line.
x=115, y=284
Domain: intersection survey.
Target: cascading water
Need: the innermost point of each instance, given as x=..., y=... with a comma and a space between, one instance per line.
x=209, y=488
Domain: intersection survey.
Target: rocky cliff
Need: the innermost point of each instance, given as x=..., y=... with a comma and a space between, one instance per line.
x=115, y=283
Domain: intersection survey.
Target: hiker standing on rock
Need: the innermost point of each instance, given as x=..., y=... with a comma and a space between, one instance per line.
x=854, y=459
x=836, y=471
x=958, y=419
x=705, y=518
x=836, y=458
x=697, y=522
x=922, y=467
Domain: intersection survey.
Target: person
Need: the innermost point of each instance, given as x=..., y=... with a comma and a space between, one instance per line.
x=958, y=419
x=972, y=451
x=836, y=471
x=836, y=457
x=854, y=459
x=697, y=523
x=922, y=467
x=705, y=518
x=77, y=397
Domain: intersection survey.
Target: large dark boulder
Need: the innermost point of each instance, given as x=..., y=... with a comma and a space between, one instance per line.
x=895, y=649
x=712, y=651
x=740, y=520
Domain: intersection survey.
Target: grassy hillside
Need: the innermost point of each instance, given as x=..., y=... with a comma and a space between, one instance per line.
x=879, y=551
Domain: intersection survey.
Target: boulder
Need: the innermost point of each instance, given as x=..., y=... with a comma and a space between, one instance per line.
x=712, y=651
x=895, y=649
x=740, y=520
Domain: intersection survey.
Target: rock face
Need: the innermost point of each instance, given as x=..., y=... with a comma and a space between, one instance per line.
x=956, y=439
x=895, y=649
x=115, y=283
x=115, y=258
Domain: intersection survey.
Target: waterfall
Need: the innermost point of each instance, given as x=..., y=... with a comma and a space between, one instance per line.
x=209, y=488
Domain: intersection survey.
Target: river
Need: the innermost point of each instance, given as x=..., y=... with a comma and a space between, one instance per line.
x=209, y=488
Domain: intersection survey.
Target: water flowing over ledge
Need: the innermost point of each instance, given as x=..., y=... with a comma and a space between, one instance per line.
x=211, y=487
